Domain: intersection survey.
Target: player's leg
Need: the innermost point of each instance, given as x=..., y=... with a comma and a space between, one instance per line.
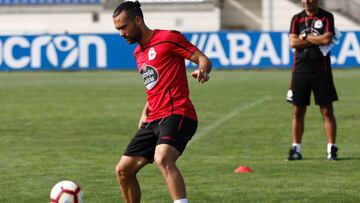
x=174, y=133
x=300, y=99
x=126, y=171
x=165, y=158
x=138, y=153
x=327, y=113
x=325, y=94
x=298, y=123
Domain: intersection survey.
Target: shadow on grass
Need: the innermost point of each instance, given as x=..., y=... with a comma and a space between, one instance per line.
x=348, y=158
x=324, y=159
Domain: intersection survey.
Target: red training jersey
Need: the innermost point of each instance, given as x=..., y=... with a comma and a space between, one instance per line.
x=161, y=64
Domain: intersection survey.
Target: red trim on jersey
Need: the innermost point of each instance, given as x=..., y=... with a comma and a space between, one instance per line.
x=302, y=19
x=293, y=26
x=327, y=25
x=167, y=138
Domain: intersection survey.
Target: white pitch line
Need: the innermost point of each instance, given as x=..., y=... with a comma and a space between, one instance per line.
x=227, y=117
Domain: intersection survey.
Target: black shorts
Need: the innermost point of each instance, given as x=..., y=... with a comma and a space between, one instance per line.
x=175, y=130
x=320, y=83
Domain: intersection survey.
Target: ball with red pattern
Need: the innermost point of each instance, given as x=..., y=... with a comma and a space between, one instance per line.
x=66, y=191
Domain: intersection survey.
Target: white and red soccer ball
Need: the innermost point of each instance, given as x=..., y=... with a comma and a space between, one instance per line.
x=66, y=191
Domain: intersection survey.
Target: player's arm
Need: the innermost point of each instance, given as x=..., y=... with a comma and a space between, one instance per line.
x=297, y=42
x=144, y=114
x=323, y=39
x=205, y=66
x=302, y=41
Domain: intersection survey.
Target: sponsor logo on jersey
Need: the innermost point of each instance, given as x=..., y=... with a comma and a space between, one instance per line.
x=149, y=75
x=152, y=54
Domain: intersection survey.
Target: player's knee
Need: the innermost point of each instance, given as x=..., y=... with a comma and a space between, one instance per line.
x=119, y=169
x=328, y=114
x=299, y=113
x=122, y=172
x=159, y=160
x=162, y=161
x=298, y=117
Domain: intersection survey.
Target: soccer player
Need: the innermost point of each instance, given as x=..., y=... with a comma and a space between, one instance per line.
x=311, y=28
x=168, y=120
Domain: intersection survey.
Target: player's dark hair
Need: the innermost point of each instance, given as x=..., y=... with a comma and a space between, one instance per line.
x=132, y=9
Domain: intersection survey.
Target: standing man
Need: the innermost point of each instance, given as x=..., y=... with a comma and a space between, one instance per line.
x=168, y=120
x=311, y=28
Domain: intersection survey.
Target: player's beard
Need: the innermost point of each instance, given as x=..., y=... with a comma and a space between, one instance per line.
x=136, y=37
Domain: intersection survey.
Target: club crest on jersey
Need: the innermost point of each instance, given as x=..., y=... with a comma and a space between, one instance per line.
x=149, y=75
x=152, y=53
x=318, y=24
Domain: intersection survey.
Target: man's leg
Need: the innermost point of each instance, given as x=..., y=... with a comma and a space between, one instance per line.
x=298, y=123
x=327, y=113
x=126, y=171
x=165, y=158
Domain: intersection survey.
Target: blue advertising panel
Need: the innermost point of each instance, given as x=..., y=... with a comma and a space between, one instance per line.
x=230, y=50
x=267, y=49
x=65, y=52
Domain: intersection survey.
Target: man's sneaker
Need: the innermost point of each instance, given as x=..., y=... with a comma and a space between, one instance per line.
x=293, y=154
x=333, y=153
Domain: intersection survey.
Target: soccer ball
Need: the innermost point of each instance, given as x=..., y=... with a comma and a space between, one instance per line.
x=66, y=191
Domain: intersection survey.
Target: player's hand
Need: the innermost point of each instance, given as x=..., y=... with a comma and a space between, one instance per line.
x=201, y=75
x=142, y=120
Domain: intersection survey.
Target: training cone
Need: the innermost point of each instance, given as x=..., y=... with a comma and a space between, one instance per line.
x=243, y=169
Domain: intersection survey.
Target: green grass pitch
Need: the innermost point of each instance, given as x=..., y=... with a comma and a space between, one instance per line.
x=56, y=126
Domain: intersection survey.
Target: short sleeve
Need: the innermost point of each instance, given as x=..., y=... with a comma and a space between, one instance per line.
x=330, y=24
x=294, y=25
x=181, y=46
